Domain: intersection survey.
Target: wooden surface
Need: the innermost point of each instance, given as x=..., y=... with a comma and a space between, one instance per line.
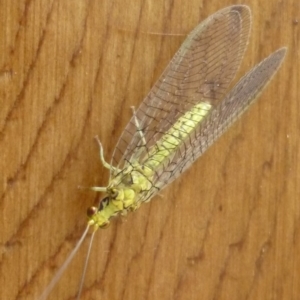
x=229, y=228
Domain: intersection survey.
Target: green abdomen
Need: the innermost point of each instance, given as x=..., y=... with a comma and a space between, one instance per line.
x=176, y=135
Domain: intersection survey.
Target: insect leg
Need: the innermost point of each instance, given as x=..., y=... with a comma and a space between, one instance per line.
x=138, y=127
x=104, y=163
x=94, y=188
x=98, y=189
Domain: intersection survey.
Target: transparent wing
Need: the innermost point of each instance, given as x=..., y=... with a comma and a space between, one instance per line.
x=244, y=93
x=200, y=71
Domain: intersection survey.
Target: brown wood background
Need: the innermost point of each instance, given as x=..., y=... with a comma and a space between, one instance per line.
x=229, y=228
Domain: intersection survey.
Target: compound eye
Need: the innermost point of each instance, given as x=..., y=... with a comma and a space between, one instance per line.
x=103, y=226
x=91, y=211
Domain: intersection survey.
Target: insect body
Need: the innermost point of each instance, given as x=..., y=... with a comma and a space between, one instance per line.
x=132, y=184
x=185, y=112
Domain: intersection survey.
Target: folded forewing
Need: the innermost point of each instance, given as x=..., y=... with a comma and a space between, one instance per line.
x=244, y=93
x=200, y=71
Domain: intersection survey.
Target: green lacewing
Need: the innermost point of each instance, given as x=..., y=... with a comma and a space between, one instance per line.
x=187, y=109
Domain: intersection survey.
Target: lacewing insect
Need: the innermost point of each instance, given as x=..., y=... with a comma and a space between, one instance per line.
x=183, y=114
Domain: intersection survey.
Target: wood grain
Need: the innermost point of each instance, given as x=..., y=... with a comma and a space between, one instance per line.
x=229, y=228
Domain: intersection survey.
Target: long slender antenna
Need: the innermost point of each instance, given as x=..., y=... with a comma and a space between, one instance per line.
x=85, y=266
x=57, y=276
